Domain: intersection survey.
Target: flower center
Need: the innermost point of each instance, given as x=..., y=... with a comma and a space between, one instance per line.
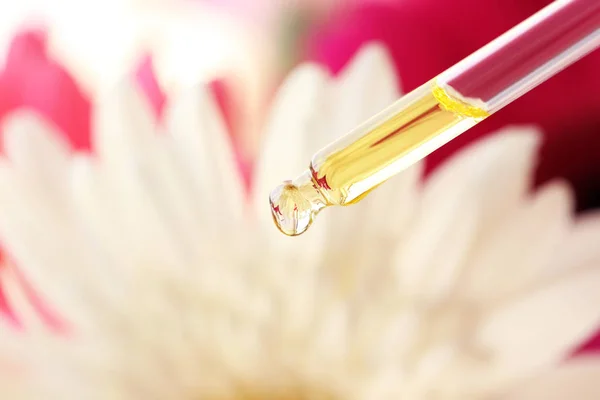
x=280, y=394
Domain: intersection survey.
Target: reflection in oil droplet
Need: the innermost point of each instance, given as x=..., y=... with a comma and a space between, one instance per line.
x=294, y=204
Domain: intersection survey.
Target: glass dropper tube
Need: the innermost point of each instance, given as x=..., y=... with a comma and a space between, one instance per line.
x=430, y=116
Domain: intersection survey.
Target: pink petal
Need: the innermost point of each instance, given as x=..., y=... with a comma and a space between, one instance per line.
x=48, y=315
x=32, y=80
x=591, y=346
x=6, y=311
x=147, y=80
x=223, y=95
x=226, y=102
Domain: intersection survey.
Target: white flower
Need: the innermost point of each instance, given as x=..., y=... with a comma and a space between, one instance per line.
x=175, y=285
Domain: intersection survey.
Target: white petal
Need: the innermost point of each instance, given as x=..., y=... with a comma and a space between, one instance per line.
x=459, y=202
x=386, y=214
x=515, y=255
x=25, y=219
x=98, y=214
x=365, y=87
x=101, y=214
x=32, y=144
x=496, y=171
x=542, y=327
x=576, y=379
x=579, y=248
x=178, y=201
x=131, y=160
x=295, y=117
x=38, y=153
x=388, y=338
x=438, y=242
x=18, y=300
x=431, y=365
x=14, y=362
x=202, y=143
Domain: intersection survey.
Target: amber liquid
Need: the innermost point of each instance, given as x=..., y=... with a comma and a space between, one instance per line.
x=347, y=170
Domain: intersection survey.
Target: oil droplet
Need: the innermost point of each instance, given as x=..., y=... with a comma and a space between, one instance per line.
x=295, y=204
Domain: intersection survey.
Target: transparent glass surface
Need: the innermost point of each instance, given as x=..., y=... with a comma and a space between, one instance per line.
x=430, y=116
x=527, y=55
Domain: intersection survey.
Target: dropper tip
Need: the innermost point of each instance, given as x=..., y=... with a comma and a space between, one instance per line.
x=291, y=214
x=294, y=205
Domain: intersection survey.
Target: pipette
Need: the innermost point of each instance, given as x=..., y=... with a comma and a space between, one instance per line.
x=430, y=116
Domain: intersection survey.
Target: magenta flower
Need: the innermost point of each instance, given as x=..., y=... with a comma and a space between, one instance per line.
x=32, y=80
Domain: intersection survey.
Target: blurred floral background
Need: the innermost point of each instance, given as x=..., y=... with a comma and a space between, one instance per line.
x=283, y=78
x=248, y=47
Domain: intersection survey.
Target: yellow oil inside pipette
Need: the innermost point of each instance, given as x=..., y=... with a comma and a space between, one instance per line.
x=346, y=171
x=389, y=143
